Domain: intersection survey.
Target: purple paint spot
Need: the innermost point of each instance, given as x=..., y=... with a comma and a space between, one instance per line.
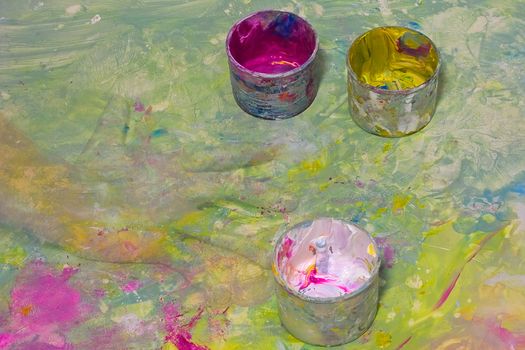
x=387, y=251
x=359, y=183
x=100, y=293
x=389, y=254
x=271, y=42
x=138, y=107
x=131, y=286
x=177, y=334
x=43, y=308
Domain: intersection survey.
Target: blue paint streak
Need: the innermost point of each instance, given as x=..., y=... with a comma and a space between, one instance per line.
x=356, y=218
x=159, y=132
x=284, y=24
x=518, y=188
x=125, y=129
x=414, y=25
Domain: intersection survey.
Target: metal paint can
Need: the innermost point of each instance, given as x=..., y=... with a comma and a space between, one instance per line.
x=337, y=302
x=392, y=81
x=272, y=60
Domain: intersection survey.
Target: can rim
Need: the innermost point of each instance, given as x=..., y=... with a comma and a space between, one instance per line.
x=324, y=300
x=272, y=75
x=377, y=90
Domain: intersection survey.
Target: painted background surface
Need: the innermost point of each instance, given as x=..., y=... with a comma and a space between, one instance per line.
x=138, y=204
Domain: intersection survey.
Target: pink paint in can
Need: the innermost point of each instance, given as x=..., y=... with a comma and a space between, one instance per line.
x=272, y=58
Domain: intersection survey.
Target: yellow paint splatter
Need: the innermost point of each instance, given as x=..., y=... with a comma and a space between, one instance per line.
x=489, y=218
x=371, y=250
x=312, y=166
x=379, y=212
x=383, y=339
x=400, y=202
x=169, y=346
x=14, y=256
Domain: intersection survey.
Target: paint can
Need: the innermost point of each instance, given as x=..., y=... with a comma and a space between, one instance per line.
x=327, y=274
x=272, y=60
x=392, y=81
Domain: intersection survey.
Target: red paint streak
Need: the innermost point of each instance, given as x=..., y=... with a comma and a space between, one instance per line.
x=402, y=345
x=195, y=318
x=177, y=334
x=451, y=286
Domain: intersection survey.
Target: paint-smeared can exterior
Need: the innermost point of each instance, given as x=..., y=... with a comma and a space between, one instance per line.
x=278, y=95
x=392, y=111
x=326, y=321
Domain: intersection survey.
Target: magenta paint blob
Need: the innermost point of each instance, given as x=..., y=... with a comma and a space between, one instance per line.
x=131, y=286
x=43, y=308
x=272, y=57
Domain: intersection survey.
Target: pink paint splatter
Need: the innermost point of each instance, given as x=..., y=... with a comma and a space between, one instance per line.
x=312, y=277
x=506, y=336
x=359, y=183
x=130, y=247
x=138, y=107
x=43, y=308
x=131, y=286
x=6, y=340
x=179, y=335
